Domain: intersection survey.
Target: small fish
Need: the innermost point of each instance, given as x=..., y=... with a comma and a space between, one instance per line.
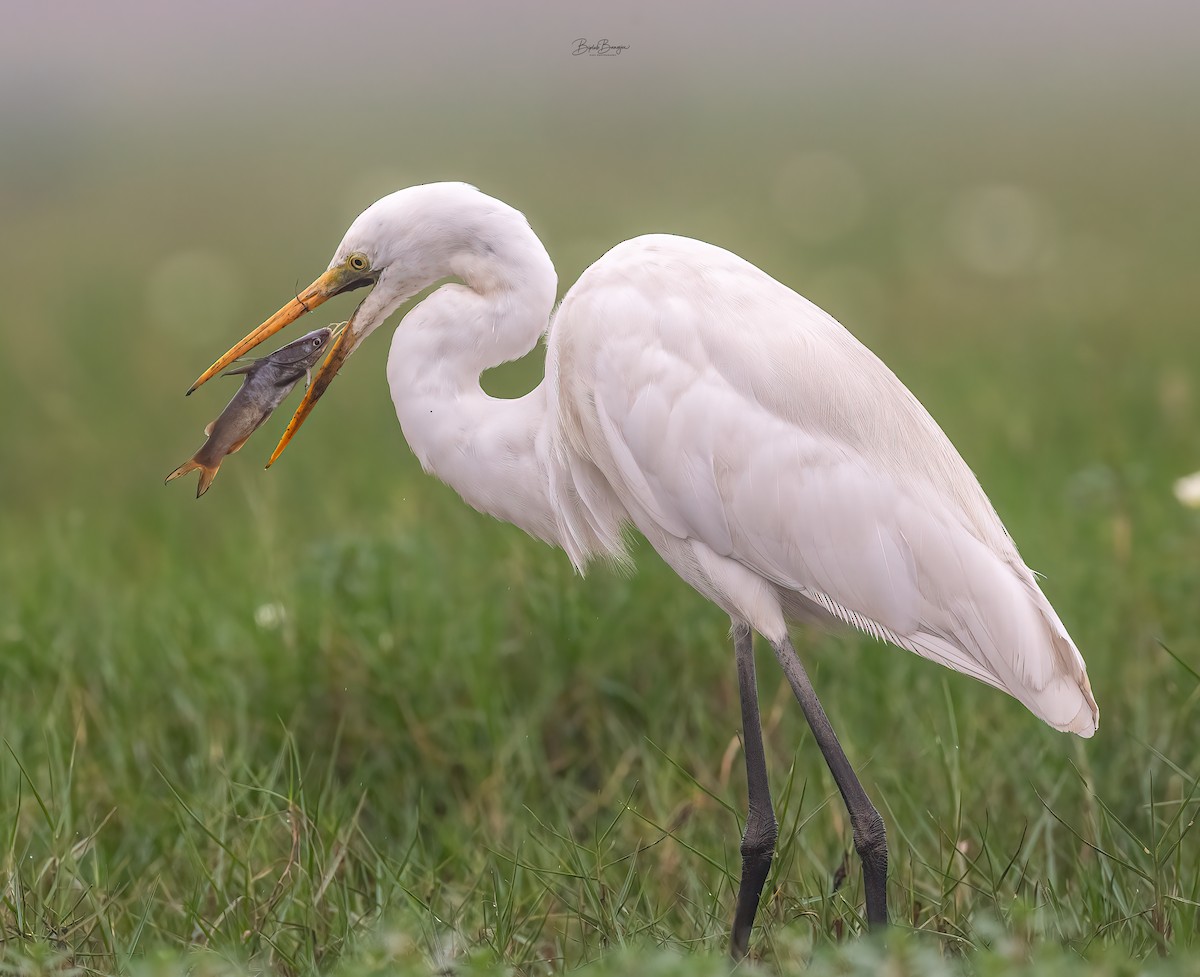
x=269, y=379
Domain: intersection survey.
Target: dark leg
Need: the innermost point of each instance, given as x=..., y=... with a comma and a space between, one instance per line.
x=758, y=841
x=870, y=839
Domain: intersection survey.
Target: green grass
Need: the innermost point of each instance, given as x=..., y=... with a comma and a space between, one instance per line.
x=328, y=720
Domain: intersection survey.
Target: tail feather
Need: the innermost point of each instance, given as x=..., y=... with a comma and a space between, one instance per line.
x=983, y=614
x=1073, y=668
x=207, y=474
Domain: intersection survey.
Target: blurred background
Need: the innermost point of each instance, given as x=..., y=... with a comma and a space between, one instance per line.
x=1000, y=199
x=950, y=183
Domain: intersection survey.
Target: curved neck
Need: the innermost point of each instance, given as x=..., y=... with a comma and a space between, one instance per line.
x=491, y=451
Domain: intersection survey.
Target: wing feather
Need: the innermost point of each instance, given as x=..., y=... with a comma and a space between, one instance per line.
x=722, y=408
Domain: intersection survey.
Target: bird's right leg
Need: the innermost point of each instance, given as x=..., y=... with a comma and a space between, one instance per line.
x=758, y=840
x=870, y=838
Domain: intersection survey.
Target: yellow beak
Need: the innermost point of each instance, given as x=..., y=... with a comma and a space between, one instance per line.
x=333, y=282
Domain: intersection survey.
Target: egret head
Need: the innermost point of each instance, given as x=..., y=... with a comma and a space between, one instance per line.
x=397, y=246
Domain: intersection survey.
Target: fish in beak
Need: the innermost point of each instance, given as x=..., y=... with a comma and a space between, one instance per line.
x=267, y=383
x=345, y=277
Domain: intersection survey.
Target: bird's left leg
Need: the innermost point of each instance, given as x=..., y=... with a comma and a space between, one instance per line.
x=870, y=838
x=758, y=840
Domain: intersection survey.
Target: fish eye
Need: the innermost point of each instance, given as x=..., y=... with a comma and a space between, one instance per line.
x=358, y=262
x=317, y=340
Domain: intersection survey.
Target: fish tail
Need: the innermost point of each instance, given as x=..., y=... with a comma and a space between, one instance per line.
x=187, y=466
x=207, y=474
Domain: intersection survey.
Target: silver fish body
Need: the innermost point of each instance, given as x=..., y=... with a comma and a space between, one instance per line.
x=268, y=381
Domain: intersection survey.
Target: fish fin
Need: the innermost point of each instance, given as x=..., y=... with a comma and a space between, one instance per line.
x=208, y=428
x=240, y=369
x=237, y=446
x=206, y=474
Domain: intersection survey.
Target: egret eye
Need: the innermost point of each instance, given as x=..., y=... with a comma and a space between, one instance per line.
x=358, y=262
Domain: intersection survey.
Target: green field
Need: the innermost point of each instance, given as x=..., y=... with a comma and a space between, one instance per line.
x=329, y=720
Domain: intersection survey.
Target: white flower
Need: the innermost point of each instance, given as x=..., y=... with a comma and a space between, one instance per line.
x=269, y=616
x=1187, y=490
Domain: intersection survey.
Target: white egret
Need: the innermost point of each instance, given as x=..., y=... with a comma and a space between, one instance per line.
x=770, y=459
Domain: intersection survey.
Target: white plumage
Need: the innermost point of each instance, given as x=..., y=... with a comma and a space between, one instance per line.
x=733, y=418
x=769, y=457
